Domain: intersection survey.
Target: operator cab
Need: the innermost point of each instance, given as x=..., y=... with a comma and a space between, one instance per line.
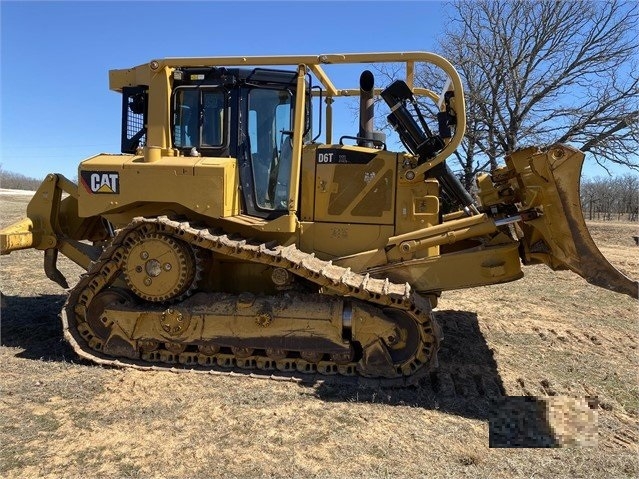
x=229, y=112
x=242, y=113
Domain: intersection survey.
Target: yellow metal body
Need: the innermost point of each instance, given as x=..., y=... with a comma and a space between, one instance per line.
x=262, y=249
x=200, y=186
x=380, y=216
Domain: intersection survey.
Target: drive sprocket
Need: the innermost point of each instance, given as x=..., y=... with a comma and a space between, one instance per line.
x=159, y=267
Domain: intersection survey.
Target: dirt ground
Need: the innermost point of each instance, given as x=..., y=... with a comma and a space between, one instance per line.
x=538, y=379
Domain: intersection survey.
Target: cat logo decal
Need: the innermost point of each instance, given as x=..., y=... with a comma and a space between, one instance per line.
x=101, y=182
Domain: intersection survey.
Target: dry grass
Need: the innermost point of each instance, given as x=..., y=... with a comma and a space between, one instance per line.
x=547, y=335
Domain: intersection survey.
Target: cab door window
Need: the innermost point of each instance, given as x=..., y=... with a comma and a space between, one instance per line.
x=269, y=125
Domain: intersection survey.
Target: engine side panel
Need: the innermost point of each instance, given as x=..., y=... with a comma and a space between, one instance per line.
x=354, y=185
x=109, y=184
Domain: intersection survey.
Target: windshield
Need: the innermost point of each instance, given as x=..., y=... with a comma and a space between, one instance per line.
x=269, y=125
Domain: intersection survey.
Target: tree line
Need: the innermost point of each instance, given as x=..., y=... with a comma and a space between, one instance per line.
x=610, y=198
x=602, y=198
x=544, y=72
x=17, y=181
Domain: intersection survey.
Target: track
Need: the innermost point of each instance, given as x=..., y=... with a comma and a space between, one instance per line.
x=89, y=339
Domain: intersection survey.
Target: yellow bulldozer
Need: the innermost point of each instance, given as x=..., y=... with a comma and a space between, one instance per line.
x=225, y=236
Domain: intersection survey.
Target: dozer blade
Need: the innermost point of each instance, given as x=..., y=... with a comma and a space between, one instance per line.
x=549, y=181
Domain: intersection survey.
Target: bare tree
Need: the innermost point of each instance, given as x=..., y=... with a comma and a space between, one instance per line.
x=543, y=72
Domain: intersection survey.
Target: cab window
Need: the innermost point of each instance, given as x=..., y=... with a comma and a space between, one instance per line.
x=199, y=118
x=269, y=125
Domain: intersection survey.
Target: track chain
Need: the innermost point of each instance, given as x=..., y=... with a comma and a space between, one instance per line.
x=332, y=279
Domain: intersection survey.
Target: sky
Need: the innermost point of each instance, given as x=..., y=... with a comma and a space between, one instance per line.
x=55, y=104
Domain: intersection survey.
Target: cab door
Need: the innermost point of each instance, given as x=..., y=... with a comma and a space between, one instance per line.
x=269, y=121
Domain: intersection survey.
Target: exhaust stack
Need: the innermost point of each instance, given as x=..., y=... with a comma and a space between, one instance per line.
x=366, y=108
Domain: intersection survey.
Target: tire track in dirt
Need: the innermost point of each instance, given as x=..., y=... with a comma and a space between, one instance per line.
x=615, y=427
x=601, y=343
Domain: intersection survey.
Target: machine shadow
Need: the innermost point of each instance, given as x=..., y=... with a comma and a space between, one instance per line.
x=466, y=383
x=31, y=323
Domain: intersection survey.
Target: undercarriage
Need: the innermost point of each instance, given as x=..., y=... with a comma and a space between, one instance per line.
x=141, y=304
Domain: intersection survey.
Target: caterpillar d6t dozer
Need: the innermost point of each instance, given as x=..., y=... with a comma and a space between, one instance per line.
x=226, y=236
